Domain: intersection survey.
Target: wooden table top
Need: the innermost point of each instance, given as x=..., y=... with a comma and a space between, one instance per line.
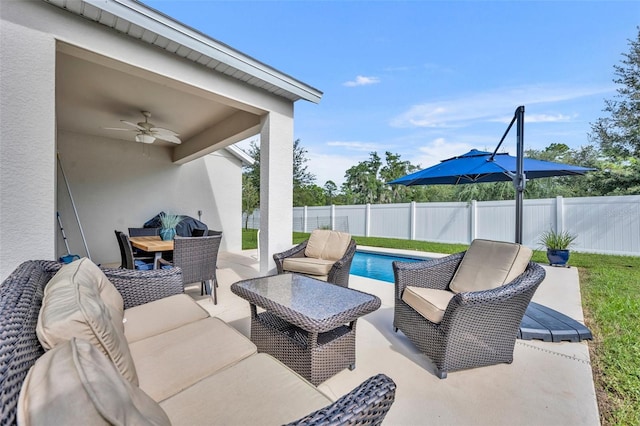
x=152, y=243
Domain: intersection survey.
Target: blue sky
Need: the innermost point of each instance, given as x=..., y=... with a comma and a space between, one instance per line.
x=428, y=79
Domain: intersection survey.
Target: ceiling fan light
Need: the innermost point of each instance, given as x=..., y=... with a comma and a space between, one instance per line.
x=144, y=138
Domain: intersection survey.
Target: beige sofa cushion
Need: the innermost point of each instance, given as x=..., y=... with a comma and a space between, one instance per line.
x=75, y=384
x=307, y=265
x=161, y=315
x=490, y=264
x=86, y=271
x=428, y=302
x=327, y=245
x=172, y=361
x=249, y=393
x=72, y=306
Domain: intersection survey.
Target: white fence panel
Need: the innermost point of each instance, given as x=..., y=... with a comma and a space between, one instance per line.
x=442, y=222
x=602, y=224
x=352, y=219
x=391, y=221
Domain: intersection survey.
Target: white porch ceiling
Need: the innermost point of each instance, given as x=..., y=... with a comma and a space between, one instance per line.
x=92, y=96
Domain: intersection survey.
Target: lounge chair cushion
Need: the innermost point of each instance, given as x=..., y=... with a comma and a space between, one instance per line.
x=72, y=306
x=75, y=382
x=307, y=265
x=249, y=393
x=327, y=245
x=150, y=319
x=428, y=302
x=489, y=264
x=176, y=359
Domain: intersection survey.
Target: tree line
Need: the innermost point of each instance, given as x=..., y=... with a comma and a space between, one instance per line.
x=613, y=150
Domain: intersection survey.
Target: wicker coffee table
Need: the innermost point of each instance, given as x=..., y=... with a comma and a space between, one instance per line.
x=307, y=324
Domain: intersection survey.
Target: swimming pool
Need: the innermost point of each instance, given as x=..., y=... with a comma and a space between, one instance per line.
x=376, y=266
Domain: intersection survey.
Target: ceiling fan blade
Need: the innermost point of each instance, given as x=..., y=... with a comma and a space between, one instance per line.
x=166, y=137
x=119, y=128
x=134, y=125
x=160, y=130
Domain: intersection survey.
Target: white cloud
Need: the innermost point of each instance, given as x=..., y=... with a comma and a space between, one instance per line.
x=490, y=106
x=331, y=166
x=362, y=81
x=355, y=146
x=540, y=118
x=439, y=149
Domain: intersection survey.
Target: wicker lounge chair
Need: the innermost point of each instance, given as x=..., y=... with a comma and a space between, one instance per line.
x=326, y=255
x=464, y=310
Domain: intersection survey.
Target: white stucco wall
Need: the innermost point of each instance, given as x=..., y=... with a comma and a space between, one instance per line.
x=120, y=184
x=27, y=130
x=29, y=31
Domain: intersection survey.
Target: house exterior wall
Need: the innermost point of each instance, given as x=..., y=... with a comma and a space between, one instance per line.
x=27, y=169
x=29, y=32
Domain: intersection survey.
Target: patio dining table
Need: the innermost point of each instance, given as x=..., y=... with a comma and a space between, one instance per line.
x=152, y=244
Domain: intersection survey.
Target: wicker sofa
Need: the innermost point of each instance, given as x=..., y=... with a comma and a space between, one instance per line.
x=190, y=367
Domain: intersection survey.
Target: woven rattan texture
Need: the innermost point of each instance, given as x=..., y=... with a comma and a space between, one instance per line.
x=314, y=357
x=478, y=328
x=367, y=404
x=299, y=318
x=20, y=301
x=339, y=272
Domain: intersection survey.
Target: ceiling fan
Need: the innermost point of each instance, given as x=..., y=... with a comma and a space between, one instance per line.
x=147, y=132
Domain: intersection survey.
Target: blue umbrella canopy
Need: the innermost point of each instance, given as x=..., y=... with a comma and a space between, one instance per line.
x=480, y=166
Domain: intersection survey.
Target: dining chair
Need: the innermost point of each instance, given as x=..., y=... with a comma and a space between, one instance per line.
x=144, y=232
x=127, y=258
x=198, y=232
x=197, y=257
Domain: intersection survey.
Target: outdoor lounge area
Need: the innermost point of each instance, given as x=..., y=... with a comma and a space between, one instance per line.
x=547, y=383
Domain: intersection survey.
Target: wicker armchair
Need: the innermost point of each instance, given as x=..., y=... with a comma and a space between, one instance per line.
x=304, y=260
x=197, y=257
x=476, y=328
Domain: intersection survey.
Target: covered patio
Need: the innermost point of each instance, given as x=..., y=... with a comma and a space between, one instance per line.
x=73, y=70
x=547, y=383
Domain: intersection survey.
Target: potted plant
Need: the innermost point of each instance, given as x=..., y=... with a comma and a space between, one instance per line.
x=168, y=223
x=557, y=244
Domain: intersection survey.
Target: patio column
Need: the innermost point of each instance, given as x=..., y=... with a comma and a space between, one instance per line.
x=276, y=186
x=27, y=151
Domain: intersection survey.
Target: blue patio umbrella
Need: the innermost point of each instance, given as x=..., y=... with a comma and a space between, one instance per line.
x=482, y=166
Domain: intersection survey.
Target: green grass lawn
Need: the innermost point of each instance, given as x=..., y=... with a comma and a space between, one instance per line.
x=610, y=287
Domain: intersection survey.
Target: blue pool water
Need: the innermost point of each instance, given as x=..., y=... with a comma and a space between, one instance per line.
x=376, y=266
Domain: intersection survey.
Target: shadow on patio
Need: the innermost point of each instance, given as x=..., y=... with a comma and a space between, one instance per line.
x=547, y=384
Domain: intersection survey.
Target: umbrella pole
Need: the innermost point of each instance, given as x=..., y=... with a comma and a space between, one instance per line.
x=519, y=178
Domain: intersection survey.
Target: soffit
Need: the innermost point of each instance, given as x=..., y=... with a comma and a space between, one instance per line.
x=143, y=23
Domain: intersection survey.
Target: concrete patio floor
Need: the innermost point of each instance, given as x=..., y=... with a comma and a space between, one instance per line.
x=547, y=383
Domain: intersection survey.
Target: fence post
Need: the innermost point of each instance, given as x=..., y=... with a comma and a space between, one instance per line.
x=559, y=214
x=304, y=219
x=367, y=220
x=333, y=217
x=412, y=220
x=473, y=220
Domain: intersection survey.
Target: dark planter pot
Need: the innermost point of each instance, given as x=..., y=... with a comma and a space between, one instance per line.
x=167, y=234
x=558, y=257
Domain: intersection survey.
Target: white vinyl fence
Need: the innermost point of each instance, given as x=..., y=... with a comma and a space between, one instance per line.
x=609, y=225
